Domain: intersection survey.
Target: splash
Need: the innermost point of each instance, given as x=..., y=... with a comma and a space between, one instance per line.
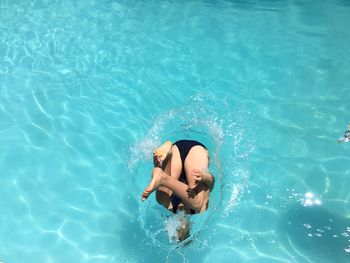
x=173, y=223
x=346, y=136
x=143, y=149
x=225, y=131
x=238, y=145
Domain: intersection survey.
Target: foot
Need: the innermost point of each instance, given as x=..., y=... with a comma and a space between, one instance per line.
x=161, y=153
x=156, y=181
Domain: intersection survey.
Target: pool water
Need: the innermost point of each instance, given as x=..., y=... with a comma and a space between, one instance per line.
x=89, y=88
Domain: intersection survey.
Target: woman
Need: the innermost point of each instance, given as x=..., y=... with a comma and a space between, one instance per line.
x=181, y=179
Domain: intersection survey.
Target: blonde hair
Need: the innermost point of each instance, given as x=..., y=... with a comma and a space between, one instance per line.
x=183, y=231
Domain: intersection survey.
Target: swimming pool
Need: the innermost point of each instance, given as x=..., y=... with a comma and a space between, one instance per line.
x=89, y=88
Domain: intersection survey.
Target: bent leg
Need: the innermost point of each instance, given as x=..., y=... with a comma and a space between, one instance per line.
x=173, y=169
x=186, y=194
x=163, y=194
x=197, y=159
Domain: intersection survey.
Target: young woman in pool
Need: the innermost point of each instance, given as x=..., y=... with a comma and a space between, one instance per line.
x=181, y=177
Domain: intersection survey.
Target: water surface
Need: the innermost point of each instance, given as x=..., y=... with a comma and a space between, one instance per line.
x=88, y=89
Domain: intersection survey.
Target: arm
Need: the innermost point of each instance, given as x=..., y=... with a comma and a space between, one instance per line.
x=204, y=176
x=186, y=194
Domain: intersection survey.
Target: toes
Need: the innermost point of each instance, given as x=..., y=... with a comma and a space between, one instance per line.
x=144, y=196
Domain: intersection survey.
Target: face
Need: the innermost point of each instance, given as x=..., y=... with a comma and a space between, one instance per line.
x=183, y=231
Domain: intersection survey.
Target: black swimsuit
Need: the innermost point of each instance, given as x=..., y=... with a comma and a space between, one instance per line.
x=184, y=147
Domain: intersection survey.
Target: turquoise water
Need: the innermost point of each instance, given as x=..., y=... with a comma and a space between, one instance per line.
x=89, y=88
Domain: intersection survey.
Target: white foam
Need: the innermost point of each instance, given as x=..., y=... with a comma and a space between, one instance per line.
x=309, y=195
x=310, y=200
x=318, y=202
x=223, y=130
x=173, y=223
x=142, y=150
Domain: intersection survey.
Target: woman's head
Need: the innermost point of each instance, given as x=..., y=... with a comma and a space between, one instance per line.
x=183, y=231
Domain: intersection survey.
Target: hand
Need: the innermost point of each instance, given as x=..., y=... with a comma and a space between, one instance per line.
x=199, y=175
x=191, y=193
x=157, y=160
